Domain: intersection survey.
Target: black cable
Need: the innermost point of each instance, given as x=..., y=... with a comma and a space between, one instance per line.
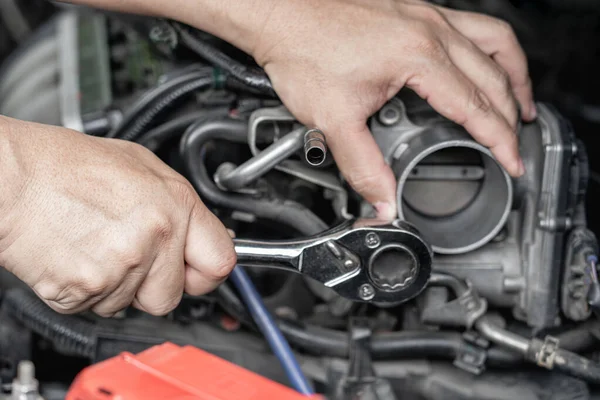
x=150, y=105
x=155, y=137
x=254, y=79
x=68, y=332
x=278, y=210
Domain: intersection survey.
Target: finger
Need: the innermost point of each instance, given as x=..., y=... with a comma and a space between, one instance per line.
x=209, y=252
x=162, y=289
x=361, y=162
x=121, y=297
x=454, y=96
x=485, y=74
x=497, y=39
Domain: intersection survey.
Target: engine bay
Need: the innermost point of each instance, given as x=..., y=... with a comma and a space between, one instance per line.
x=500, y=301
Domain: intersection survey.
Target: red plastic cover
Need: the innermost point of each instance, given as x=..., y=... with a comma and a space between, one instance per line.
x=169, y=371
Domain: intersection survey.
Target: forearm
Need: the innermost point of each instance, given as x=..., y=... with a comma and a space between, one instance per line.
x=238, y=22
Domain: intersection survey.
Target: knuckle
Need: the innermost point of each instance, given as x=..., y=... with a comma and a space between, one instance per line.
x=478, y=103
x=92, y=285
x=431, y=15
x=128, y=255
x=161, y=226
x=161, y=308
x=505, y=30
x=429, y=46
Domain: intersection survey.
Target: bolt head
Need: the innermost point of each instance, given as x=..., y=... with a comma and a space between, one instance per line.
x=372, y=240
x=366, y=292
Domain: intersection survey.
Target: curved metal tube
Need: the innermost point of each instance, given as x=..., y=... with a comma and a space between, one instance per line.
x=283, y=211
x=37, y=56
x=502, y=337
x=44, y=109
x=450, y=281
x=45, y=77
x=234, y=179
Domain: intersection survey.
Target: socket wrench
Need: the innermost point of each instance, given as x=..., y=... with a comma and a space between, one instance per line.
x=364, y=260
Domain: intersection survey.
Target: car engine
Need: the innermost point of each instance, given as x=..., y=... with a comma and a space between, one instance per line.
x=507, y=310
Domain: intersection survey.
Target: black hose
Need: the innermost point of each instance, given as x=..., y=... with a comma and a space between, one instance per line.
x=68, y=332
x=149, y=106
x=254, y=79
x=282, y=211
x=577, y=366
x=155, y=137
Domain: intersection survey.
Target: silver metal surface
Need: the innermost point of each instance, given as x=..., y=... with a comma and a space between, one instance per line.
x=315, y=147
x=449, y=187
x=327, y=180
x=464, y=219
x=344, y=260
x=501, y=336
x=233, y=178
x=69, y=66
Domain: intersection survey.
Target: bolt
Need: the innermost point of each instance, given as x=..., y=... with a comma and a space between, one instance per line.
x=389, y=115
x=366, y=292
x=26, y=372
x=372, y=240
x=348, y=264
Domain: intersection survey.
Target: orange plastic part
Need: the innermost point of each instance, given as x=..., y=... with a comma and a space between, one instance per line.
x=169, y=371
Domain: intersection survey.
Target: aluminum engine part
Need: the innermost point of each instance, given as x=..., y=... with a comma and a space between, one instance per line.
x=516, y=261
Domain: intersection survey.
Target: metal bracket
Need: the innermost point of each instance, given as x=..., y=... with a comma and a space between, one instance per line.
x=547, y=353
x=472, y=355
x=462, y=311
x=318, y=177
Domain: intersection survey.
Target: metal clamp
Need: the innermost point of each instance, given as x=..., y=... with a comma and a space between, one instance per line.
x=361, y=260
x=463, y=311
x=547, y=353
x=472, y=355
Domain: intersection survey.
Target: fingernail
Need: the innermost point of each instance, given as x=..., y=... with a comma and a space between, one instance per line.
x=533, y=112
x=231, y=233
x=385, y=211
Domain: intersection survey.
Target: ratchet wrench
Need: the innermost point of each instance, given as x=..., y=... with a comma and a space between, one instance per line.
x=363, y=260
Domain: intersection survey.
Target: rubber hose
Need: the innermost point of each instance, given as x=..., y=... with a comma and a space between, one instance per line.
x=192, y=149
x=154, y=95
x=255, y=79
x=155, y=137
x=577, y=366
x=145, y=119
x=68, y=332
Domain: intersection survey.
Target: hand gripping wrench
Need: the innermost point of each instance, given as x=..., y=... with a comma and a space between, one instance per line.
x=363, y=260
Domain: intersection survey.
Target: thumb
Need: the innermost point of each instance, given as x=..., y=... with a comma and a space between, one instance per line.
x=209, y=252
x=362, y=164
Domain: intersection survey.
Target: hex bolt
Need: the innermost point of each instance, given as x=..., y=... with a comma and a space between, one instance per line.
x=389, y=115
x=366, y=292
x=372, y=240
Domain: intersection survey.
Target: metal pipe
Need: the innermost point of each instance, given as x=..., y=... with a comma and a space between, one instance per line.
x=315, y=147
x=502, y=337
x=39, y=55
x=439, y=279
x=46, y=77
x=229, y=177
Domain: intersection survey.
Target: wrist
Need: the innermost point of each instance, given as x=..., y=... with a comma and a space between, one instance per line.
x=239, y=23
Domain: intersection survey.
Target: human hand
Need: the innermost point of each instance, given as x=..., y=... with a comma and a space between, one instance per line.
x=335, y=63
x=99, y=224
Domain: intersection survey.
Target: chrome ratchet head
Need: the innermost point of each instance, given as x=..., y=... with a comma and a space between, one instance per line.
x=363, y=260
